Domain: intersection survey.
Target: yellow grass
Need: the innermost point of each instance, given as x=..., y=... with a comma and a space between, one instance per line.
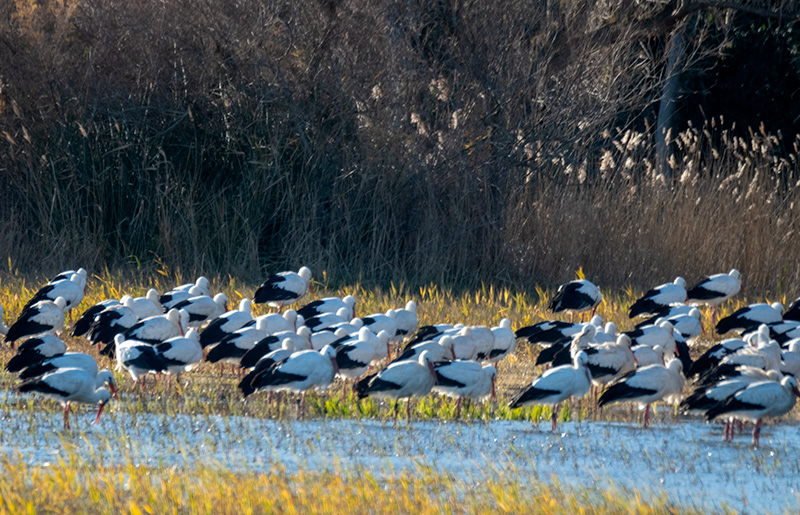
x=75, y=487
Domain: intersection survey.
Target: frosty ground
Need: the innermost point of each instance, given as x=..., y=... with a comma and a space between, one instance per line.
x=686, y=460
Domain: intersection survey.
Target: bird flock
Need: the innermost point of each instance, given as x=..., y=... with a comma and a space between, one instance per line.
x=747, y=378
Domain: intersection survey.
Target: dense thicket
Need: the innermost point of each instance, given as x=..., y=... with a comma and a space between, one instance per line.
x=417, y=140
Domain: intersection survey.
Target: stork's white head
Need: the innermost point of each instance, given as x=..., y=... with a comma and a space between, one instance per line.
x=222, y=301
x=153, y=296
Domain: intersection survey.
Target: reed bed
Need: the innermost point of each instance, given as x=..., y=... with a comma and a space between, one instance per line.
x=446, y=143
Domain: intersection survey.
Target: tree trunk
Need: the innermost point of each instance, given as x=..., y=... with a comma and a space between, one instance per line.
x=668, y=107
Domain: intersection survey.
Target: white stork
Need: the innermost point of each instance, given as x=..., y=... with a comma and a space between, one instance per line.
x=35, y=350
x=714, y=290
x=73, y=385
x=556, y=385
x=401, y=380
x=226, y=324
x=284, y=288
x=758, y=401
x=44, y=317
x=576, y=297
x=659, y=298
x=460, y=379
x=647, y=385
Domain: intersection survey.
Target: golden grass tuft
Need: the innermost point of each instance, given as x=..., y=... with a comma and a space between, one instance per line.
x=74, y=487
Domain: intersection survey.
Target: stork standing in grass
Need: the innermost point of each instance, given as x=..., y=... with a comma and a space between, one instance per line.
x=556, y=385
x=284, y=288
x=73, y=385
x=401, y=380
x=714, y=290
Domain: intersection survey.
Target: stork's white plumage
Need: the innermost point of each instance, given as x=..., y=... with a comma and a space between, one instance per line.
x=378, y=322
x=556, y=385
x=439, y=351
x=44, y=317
x=706, y=397
x=558, y=355
x=401, y=380
x=689, y=325
x=484, y=341
x=158, y=329
x=406, y=319
x=505, y=341
x=203, y=308
x=226, y=324
x=758, y=401
x=277, y=323
x=791, y=358
x=766, y=356
x=67, y=360
x=330, y=305
x=353, y=326
x=549, y=332
x=264, y=364
x=35, y=350
x=300, y=372
x=751, y=316
x=137, y=358
x=73, y=385
x=659, y=299
x=653, y=335
x=576, y=297
x=464, y=347
x=84, y=324
x=170, y=299
x=301, y=340
x=234, y=346
x=465, y=379
x=323, y=338
x=647, y=385
x=714, y=290
x=202, y=286
x=71, y=289
x=111, y=322
x=181, y=352
x=325, y=321
x=147, y=306
x=658, y=355
x=669, y=313
x=354, y=358
x=431, y=332
x=66, y=274
x=284, y=288
x=609, y=361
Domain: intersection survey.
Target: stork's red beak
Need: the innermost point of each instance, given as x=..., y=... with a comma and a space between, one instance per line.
x=99, y=411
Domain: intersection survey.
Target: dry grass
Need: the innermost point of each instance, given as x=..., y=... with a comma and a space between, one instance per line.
x=72, y=487
x=449, y=143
